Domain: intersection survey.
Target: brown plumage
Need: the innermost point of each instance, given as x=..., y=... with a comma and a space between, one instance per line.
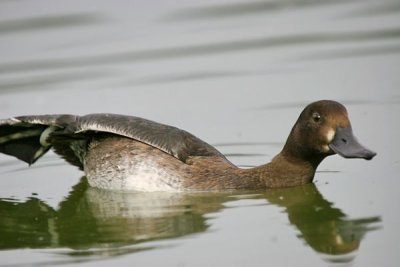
x=131, y=153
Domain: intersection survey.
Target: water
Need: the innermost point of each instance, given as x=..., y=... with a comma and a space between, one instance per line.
x=235, y=74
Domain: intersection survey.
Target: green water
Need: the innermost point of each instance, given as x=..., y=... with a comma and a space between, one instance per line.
x=95, y=222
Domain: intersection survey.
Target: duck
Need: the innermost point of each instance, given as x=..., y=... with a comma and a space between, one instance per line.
x=128, y=153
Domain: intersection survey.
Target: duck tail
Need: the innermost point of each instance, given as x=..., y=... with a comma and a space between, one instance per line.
x=27, y=137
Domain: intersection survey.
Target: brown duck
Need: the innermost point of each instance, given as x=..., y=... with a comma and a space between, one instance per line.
x=130, y=153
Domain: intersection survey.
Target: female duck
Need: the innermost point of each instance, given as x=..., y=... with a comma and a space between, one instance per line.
x=130, y=153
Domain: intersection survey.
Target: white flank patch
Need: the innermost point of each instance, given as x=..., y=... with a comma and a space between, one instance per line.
x=149, y=178
x=142, y=175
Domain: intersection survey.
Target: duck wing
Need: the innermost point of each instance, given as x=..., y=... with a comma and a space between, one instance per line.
x=169, y=139
x=29, y=137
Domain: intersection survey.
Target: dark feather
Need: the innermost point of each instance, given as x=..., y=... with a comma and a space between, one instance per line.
x=169, y=139
x=21, y=141
x=79, y=130
x=27, y=149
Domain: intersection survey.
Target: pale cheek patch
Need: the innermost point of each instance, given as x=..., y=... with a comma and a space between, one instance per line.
x=329, y=137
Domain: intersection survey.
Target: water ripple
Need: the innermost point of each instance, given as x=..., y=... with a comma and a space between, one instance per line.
x=354, y=52
x=221, y=11
x=205, y=49
x=48, y=22
x=45, y=81
x=383, y=8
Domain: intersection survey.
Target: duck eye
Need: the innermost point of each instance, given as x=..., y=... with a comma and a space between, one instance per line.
x=316, y=117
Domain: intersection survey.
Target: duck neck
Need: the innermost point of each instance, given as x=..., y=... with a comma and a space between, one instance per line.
x=285, y=171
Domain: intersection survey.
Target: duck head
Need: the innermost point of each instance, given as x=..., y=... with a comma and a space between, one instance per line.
x=322, y=129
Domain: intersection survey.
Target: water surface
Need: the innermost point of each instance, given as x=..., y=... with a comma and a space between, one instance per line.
x=234, y=73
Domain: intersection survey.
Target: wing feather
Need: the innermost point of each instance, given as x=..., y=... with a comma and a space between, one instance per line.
x=169, y=139
x=67, y=128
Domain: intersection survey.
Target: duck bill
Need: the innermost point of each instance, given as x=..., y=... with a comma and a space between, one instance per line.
x=346, y=145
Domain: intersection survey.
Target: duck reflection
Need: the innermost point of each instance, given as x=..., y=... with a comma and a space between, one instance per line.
x=111, y=222
x=323, y=227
